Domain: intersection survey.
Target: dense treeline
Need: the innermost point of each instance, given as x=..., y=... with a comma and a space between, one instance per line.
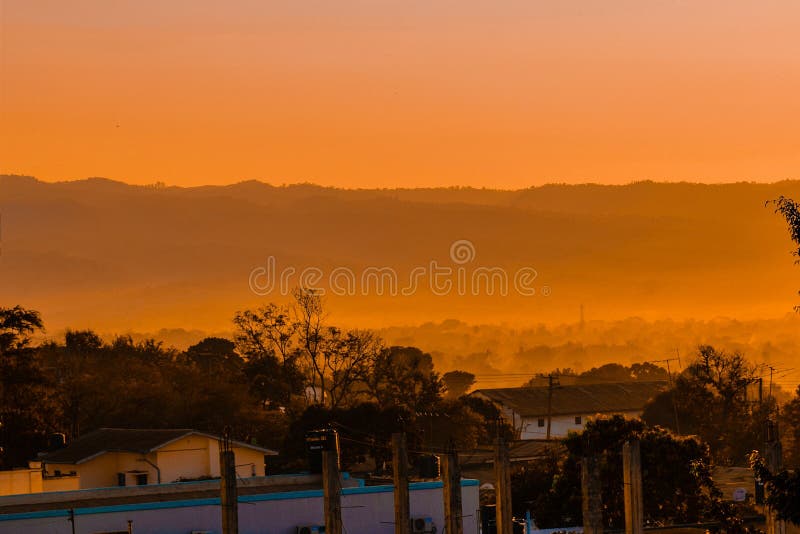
x=723, y=398
x=678, y=486
x=285, y=372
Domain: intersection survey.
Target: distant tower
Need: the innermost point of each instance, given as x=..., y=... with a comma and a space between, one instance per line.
x=582, y=323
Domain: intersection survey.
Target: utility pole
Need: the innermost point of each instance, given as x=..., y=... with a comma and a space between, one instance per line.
x=632, y=479
x=771, y=372
x=229, y=498
x=592, y=497
x=451, y=479
x=331, y=487
x=551, y=383
x=402, y=508
x=502, y=488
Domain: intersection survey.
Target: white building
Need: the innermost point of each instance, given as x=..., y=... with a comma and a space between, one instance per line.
x=526, y=408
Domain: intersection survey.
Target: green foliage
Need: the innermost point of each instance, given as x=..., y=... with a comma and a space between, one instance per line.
x=255, y=384
x=304, y=354
x=782, y=488
x=790, y=425
x=404, y=377
x=710, y=396
x=676, y=478
x=790, y=210
x=17, y=324
x=610, y=372
x=457, y=383
x=546, y=488
x=25, y=407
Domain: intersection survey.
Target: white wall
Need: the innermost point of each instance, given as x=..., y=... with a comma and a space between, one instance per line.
x=560, y=425
x=364, y=511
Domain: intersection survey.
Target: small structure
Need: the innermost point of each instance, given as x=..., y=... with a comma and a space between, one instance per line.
x=568, y=407
x=136, y=457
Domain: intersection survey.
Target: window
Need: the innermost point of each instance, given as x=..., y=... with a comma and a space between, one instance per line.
x=578, y=420
x=541, y=421
x=120, y=479
x=141, y=480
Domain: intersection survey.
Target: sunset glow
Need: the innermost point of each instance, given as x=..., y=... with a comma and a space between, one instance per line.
x=386, y=94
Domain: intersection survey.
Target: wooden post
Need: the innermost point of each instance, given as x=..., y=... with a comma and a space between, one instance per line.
x=451, y=478
x=331, y=487
x=632, y=478
x=502, y=488
x=773, y=454
x=228, y=491
x=549, y=403
x=402, y=510
x=592, y=501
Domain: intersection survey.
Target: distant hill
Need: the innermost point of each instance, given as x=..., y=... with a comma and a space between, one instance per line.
x=103, y=254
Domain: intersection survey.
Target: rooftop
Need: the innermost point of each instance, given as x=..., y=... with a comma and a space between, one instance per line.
x=576, y=399
x=134, y=440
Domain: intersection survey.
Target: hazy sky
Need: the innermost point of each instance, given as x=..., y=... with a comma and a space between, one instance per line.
x=400, y=93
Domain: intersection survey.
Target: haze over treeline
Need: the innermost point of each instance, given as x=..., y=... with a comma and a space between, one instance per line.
x=118, y=258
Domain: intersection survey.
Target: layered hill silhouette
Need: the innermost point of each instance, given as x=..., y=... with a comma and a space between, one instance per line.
x=107, y=255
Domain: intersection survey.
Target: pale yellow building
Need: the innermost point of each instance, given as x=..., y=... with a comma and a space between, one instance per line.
x=31, y=479
x=128, y=457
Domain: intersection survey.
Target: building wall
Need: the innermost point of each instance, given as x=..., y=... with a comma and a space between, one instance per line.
x=560, y=425
x=101, y=472
x=19, y=481
x=192, y=457
x=198, y=457
x=186, y=458
x=23, y=481
x=365, y=510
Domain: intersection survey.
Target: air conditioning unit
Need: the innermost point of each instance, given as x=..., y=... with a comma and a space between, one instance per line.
x=310, y=529
x=422, y=525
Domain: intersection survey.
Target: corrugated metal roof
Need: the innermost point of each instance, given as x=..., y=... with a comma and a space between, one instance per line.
x=576, y=399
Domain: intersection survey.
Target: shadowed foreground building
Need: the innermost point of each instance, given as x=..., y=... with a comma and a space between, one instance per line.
x=267, y=505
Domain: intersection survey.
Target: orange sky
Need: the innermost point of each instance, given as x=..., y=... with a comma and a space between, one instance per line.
x=363, y=93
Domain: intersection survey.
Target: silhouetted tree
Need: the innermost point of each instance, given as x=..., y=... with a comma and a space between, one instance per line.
x=457, y=383
x=404, y=376
x=25, y=398
x=711, y=400
x=676, y=478
x=335, y=363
